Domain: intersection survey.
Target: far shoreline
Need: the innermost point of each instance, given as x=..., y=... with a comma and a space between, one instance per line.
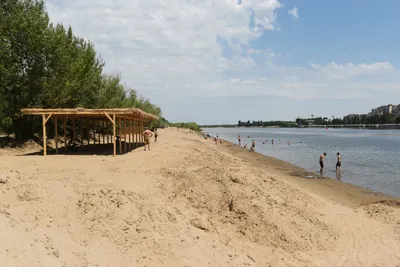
x=384, y=127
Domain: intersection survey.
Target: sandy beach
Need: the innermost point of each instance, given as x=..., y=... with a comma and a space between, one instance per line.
x=187, y=202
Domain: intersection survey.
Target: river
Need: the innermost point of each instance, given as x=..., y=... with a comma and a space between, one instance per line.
x=370, y=158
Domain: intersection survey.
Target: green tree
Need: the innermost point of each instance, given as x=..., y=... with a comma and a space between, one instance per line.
x=23, y=36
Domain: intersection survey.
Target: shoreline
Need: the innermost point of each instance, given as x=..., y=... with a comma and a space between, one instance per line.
x=337, y=190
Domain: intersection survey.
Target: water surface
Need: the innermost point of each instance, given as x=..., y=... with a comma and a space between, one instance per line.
x=370, y=158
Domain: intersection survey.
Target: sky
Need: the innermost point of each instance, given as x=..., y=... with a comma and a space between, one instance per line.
x=220, y=61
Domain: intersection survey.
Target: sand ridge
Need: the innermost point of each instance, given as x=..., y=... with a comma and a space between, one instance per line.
x=187, y=202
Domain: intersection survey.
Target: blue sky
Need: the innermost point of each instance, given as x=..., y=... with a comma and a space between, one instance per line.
x=220, y=62
x=340, y=31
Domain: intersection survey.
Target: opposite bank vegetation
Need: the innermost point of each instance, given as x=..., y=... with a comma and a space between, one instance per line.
x=317, y=121
x=47, y=66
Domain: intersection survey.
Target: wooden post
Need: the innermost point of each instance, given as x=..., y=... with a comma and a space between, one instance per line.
x=104, y=128
x=120, y=135
x=65, y=135
x=94, y=132
x=44, y=135
x=136, y=134
x=139, y=134
x=114, y=137
x=130, y=133
x=82, y=132
x=141, y=131
x=133, y=134
x=73, y=131
x=56, y=132
x=125, y=135
x=88, y=131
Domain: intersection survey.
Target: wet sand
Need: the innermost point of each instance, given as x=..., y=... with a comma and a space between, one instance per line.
x=187, y=202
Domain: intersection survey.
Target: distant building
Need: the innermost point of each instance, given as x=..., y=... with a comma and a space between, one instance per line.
x=385, y=110
x=396, y=111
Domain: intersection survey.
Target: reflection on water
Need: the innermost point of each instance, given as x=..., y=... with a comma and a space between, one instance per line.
x=338, y=175
x=369, y=157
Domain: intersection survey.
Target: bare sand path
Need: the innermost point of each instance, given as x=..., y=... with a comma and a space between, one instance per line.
x=187, y=202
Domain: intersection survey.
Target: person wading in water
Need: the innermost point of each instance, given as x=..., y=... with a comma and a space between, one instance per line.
x=321, y=161
x=253, y=146
x=339, y=162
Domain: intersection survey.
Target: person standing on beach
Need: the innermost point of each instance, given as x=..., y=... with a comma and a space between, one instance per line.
x=240, y=140
x=147, y=134
x=272, y=141
x=253, y=145
x=338, y=162
x=321, y=161
x=155, y=136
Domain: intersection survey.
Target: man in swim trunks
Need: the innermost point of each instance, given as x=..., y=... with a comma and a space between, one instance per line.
x=253, y=145
x=339, y=162
x=240, y=140
x=321, y=161
x=147, y=135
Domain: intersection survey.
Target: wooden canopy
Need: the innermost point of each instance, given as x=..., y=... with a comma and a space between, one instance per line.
x=99, y=114
x=115, y=116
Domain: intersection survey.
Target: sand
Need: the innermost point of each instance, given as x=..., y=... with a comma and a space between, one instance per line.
x=187, y=202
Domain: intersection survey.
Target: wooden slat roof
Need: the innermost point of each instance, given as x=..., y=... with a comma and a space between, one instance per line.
x=127, y=113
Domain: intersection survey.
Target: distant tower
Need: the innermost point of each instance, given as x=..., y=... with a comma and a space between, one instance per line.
x=390, y=108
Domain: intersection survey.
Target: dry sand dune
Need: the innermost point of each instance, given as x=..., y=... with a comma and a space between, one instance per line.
x=187, y=202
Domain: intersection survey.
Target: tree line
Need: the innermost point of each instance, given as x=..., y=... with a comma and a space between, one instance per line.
x=44, y=65
x=266, y=124
x=351, y=119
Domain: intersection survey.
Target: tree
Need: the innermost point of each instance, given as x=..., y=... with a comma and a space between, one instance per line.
x=23, y=36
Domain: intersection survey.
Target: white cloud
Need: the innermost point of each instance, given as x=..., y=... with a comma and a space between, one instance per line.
x=294, y=13
x=165, y=45
x=176, y=49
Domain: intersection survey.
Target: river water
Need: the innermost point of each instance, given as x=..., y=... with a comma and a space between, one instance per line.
x=370, y=158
